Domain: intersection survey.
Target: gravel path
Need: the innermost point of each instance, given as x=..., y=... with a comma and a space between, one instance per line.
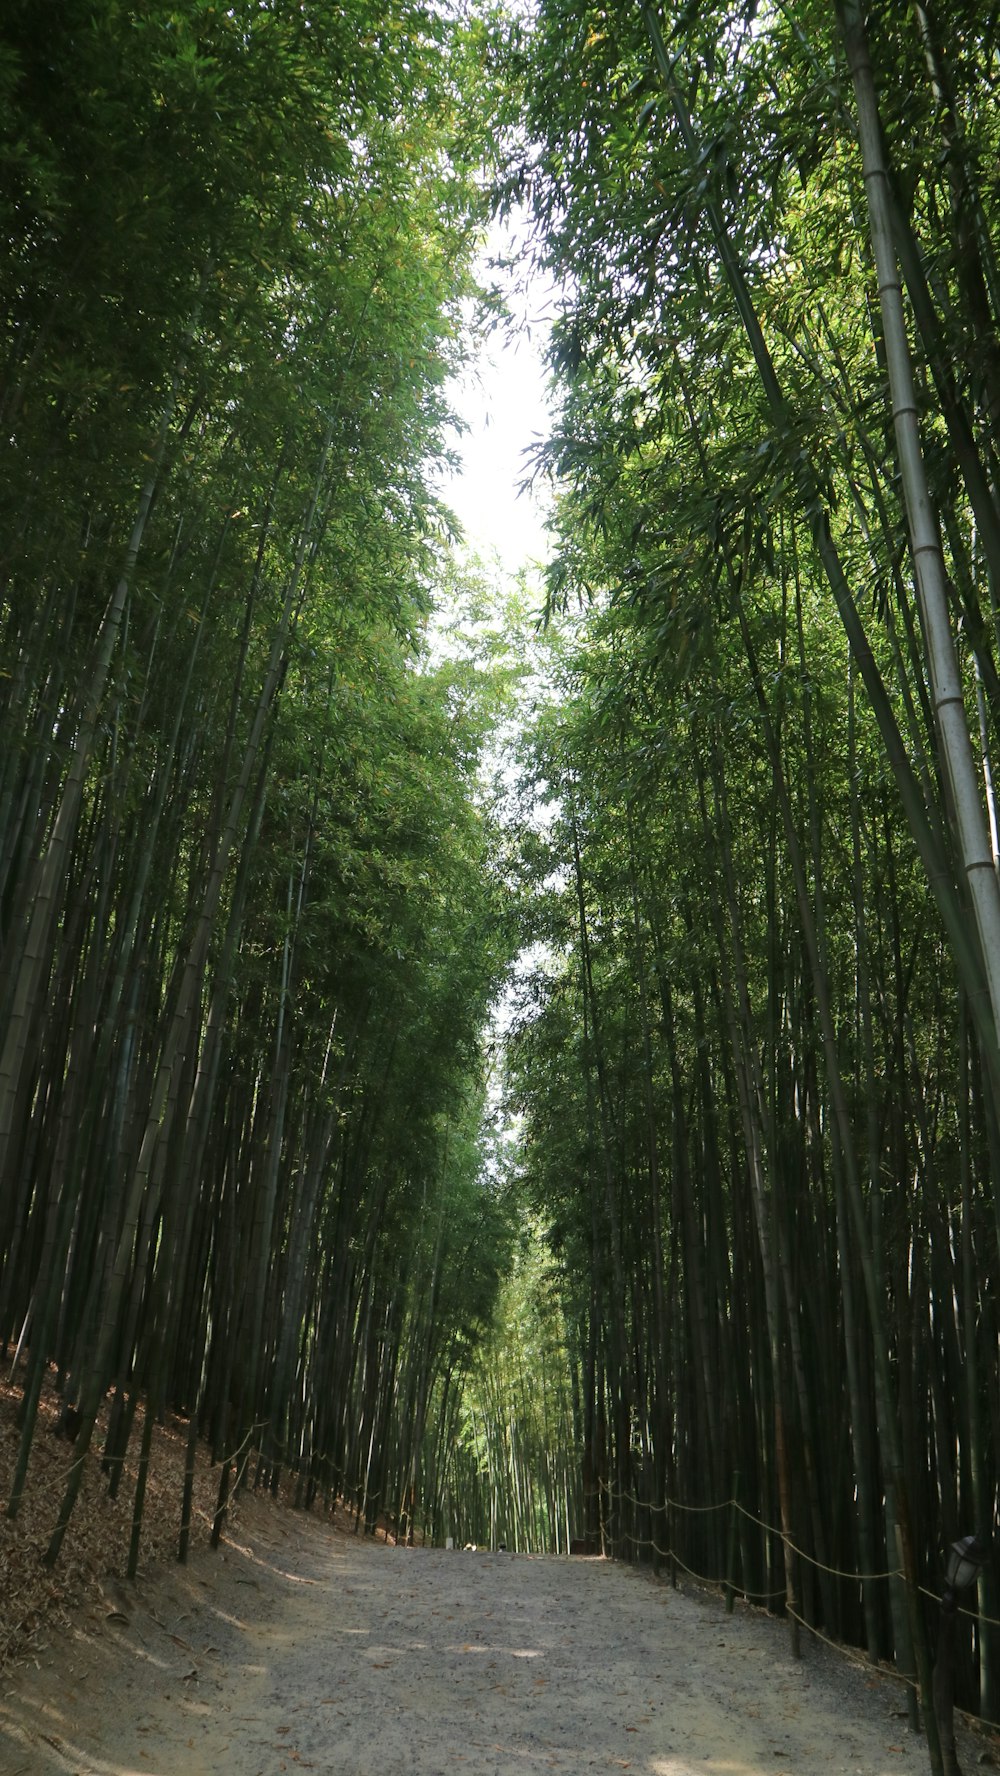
x=314, y=1649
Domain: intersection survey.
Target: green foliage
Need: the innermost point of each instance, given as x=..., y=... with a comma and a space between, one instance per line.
x=251, y=916
x=742, y=1064
x=512, y=1475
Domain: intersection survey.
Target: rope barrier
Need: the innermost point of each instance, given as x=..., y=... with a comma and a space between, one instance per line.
x=853, y=1658
x=837, y=1647
x=960, y=1610
x=668, y=1504
x=259, y=1426
x=836, y=1571
x=695, y=1510
x=849, y=1654
x=699, y=1578
x=731, y=1504
x=773, y=1529
x=719, y=1585
x=57, y=1482
x=759, y=1596
x=978, y=1720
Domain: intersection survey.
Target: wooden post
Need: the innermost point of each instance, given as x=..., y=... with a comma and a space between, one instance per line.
x=734, y=1508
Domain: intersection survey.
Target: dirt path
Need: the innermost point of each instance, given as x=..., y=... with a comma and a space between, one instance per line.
x=317, y=1650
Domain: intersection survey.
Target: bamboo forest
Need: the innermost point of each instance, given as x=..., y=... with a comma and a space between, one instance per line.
x=516, y=1053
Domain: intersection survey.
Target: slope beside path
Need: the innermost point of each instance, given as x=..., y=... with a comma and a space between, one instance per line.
x=308, y=1648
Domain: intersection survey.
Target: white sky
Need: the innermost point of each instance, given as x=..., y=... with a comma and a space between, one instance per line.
x=503, y=401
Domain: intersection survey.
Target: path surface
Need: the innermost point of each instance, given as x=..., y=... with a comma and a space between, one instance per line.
x=315, y=1650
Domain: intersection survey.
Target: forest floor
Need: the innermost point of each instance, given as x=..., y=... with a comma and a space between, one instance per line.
x=299, y=1645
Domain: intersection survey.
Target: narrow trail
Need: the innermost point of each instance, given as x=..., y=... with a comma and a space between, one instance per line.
x=308, y=1648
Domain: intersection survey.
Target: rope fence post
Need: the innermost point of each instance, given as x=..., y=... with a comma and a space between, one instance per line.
x=672, y=1542
x=734, y=1507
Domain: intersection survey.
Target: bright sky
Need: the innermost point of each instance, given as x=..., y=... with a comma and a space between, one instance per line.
x=503, y=401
